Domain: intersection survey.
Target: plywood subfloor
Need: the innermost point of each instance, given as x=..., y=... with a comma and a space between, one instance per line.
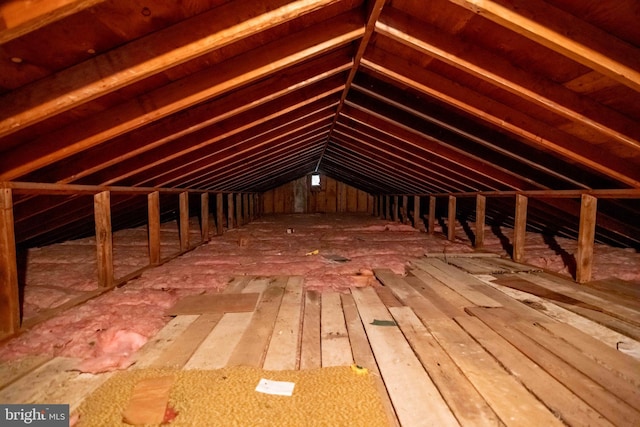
x=448, y=347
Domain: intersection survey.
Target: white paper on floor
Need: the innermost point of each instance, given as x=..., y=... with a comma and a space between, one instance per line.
x=281, y=388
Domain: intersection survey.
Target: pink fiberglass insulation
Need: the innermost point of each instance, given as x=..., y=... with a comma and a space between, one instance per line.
x=330, y=251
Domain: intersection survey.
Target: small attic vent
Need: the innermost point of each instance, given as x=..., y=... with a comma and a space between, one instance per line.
x=315, y=180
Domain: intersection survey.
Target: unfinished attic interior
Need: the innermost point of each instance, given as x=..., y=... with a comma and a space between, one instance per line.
x=417, y=212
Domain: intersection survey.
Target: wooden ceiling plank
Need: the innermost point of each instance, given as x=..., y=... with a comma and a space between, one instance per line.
x=312, y=132
x=271, y=171
x=231, y=168
x=21, y=17
x=374, y=8
x=188, y=122
x=397, y=163
x=437, y=146
x=456, y=127
x=307, y=119
x=241, y=153
x=498, y=71
x=191, y=148
x=409, y=154
x=144, y=57
x=538, y=134
x=373, y=171
x=283, y=163
x=179, y=95
x=352, y=155
x=564, y=33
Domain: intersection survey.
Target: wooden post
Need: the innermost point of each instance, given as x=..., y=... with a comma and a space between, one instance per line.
x=184, y=221
x=387, y=214
x=520, y=228
x=481, y=209
x=432, y=214
x=586, y=237
x=153, y=212
x=416, y=212
x=252, y=208
x=245, y=205
x=219, y=214
x=230, y=215
x=204, y=215
x=104, y=238
x=451, y=224
x=405, y=208
x=9, y=291
x=239, y=210
x=396, y=209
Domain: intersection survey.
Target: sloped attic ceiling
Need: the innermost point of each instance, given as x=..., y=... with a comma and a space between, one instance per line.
x=398, y=96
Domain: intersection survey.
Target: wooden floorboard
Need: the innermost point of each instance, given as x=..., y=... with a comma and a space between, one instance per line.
x=445, y=347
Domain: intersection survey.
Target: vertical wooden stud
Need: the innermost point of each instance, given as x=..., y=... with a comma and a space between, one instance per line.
x=451, y=223
x=252, y=209
x=239, y=220
x=204, y=215
x=586, y=237
x=9, y=291
x=520, y=228
x=432, y=214
x=416, y=213
x=387, y=214
x=230, y=215
x=396, y=209
x=245, y=205
x=405, y=209
x=104, y=238
x=153, y=213
x=481, y=209
x=219, y=214
x=184, y=220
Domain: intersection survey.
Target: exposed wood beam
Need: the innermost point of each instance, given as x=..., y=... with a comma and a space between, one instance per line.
x=248, y=163
x=549, y=26
x=9, y=290
x=232, y=173
x=20, y=17
x=481, y=209
x=374, y=8
x=187, y=122
x=431, y=174
x=282, y=161
x=586, y=236
x=104, y=239
x=409, y=129
x=451, y=221
x=455, y=125
x=533, y=131
x=519, y=228
x=375, y=170
x=500, y=72
x=145, y=57
x=179, y=95
x=153, y=202
x=194, y=149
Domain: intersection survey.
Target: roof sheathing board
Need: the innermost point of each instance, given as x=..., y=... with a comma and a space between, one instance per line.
x=369, y=96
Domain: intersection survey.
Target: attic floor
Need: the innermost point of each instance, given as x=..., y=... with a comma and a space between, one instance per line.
x=466, y=341
x=451, y=352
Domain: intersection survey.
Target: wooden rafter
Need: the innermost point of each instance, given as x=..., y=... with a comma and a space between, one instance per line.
x=180, y=95
x=373, y=13
x=548, y=26
x=500, y=72
x=533, y=131
x=145, y=57
x=21, y=17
